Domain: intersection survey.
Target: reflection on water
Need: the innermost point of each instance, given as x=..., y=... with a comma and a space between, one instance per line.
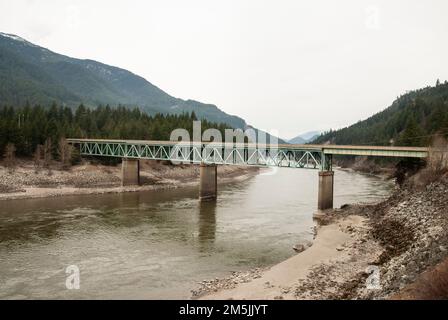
x=160, y=244
x=207, y=225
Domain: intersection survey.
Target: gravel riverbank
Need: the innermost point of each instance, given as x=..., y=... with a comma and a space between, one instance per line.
x=90, y=178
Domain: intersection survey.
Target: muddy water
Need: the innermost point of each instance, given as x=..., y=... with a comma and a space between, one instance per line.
x=158, y=245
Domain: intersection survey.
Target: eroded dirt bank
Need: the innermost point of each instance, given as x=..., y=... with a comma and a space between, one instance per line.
x=87, y=178
x=393, y=242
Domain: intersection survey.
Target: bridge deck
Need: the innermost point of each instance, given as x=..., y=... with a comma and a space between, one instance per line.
x=379, y=151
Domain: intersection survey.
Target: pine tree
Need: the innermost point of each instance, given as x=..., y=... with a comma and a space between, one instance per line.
x=412, y=134
x=45, y=125
x=48, y=157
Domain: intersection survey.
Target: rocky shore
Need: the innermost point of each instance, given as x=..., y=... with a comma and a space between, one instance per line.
x=405, y=235
x=375, y=251
x=366, y=165
x=25, y=181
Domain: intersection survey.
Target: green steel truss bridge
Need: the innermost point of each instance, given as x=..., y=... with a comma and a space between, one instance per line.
x=209, y=155
x=249, y=154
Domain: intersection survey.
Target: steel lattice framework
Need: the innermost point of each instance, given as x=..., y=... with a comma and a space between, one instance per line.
x=209, y=153
x=251, y=154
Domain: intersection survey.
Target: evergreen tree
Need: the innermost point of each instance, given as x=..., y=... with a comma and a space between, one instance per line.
x=413, y=135
x=40, y=126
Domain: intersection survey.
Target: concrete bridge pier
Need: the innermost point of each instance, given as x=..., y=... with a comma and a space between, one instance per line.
x=208, y=188
x=130, y=172
x=326, y=185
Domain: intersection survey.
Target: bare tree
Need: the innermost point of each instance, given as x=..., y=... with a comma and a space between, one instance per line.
x=10, y=157
x=65, y=153
x=436, y=163
x=438, y=155
x=48, y=157
x=38, y=158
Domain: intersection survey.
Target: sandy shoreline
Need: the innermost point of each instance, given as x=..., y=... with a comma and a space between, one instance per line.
x=88, y=179
x=371, y=251
x=277, y=281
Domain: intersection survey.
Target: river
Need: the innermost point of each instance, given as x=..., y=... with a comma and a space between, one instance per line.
x=159, y=244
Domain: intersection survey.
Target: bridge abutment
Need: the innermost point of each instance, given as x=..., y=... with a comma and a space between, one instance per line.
x=130, y=172
x=208, y=188
x=326, y=186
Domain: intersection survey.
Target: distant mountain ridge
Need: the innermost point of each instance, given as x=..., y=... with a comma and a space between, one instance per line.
x=305, y=137
x=30, y=73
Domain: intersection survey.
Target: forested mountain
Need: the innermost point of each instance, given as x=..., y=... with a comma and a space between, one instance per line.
x=412, y=120
x=29, y=73
x=29, y=127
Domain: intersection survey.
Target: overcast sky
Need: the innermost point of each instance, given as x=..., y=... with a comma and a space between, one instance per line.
x=292, y=66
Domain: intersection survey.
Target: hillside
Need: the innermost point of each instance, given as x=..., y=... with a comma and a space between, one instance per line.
x=412, y=119
x=29, y=73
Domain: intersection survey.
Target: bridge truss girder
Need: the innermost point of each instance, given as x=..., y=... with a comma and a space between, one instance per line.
x=209, y=153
